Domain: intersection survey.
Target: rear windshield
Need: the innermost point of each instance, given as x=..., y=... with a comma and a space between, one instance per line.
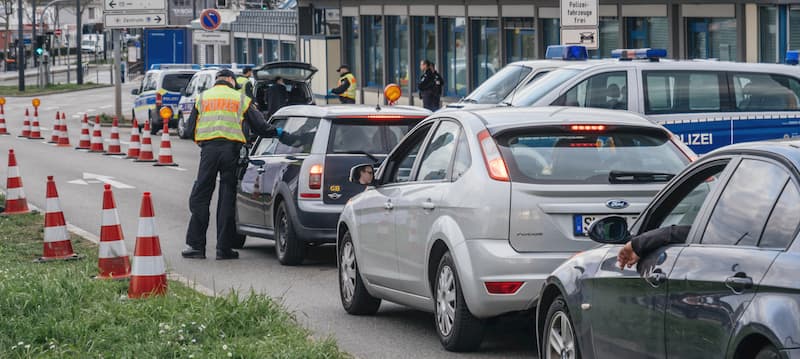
x=176, y=82
x=298, y=136
x=370, y=136
x=562, y=157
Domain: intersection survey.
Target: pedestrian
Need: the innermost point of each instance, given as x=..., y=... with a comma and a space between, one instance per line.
x=277, y=96
x=347, y=86
x=429, y=92
x=216, y=123
x=243, y=83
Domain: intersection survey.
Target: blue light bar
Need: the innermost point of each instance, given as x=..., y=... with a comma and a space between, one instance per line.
x=792, y=57
x=563, y=52
x=639, y=54
x=174, y=67
x=229, y=66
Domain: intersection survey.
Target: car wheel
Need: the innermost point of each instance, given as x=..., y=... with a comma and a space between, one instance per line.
x=182, y=128
x=768, y=352
x=458, y=329
x=290, y=250
x=356, y=299
x=238, y=241
x=558, y=337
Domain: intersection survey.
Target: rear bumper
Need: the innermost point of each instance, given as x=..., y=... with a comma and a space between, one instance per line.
x=316, y=221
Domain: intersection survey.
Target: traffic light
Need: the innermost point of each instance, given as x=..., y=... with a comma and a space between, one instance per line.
x=40, y=44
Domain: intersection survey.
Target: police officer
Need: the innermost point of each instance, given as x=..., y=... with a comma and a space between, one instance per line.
x=216, y=122
x=243, y=82
x=429, y=86
x=347, y=86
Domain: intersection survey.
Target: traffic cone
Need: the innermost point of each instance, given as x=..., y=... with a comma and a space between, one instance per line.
x=114, y=147
x=85, y=142
x=36, y=132
x=56, y=133
x=134, y=145
x=63, y=141
x=26, y=126
x=16, y=203
x=57, y=245
x=113, y=261
x=148, y=275
x=165, y=151
x=97, y=137
x=3, y=129
x=146, y=153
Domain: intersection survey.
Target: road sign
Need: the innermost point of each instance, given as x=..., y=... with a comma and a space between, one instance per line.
x=211, y=38
x=134, y=19
x=210, y=19
x=57, y=32
x=579, y=13
x=125, y=5
x=587, y=37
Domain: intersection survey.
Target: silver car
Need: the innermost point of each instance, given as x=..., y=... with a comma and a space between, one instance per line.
x=473, y=209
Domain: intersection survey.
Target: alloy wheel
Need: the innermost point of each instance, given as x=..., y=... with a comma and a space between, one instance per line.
x=560, y=341
x=283, y=233
x=348, y=271
x=445, y=301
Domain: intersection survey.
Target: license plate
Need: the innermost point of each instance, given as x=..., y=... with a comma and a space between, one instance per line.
x=581, y=222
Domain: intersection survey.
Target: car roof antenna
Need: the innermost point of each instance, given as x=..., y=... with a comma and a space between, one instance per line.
x=378, y=106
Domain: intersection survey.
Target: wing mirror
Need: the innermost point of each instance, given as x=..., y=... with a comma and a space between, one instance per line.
x=135, y=92
x=363, y=174
x=610, y=230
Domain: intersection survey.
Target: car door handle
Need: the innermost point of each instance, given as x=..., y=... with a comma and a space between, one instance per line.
x=656, y=278
x=261, y=170
x=388, y=205
x=739, y=283
x=428, y=205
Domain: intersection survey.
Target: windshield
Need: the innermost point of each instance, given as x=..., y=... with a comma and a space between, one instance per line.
x=373, y=137
x=176, y=82
x=497, y=87
x=529, y=95
x=564, y=157
x=87, y=43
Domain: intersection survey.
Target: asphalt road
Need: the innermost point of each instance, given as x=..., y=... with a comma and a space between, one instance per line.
x=311, y=290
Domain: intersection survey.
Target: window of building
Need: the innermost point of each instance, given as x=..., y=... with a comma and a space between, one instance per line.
x=92, y=13
x=397, y=31
x=373, y=50
x=271, y=50
x=288, y=51
x=241, y=51
x=424, y=42
x=794, y=28
x=520, y=38
x=485, y=50
x=326, y=21
x=351, y=42
x=768, y=34
x=551, y=33
x=454, y=56
x=255, y=49
x=609, y=37
x=644, y=32
x=683, y=91
x=711, y=38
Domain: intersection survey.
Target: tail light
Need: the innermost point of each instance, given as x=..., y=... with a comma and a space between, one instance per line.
x=503, y=287
x=491, y=155
x=315, y=177
x=587, y=128
x=159, y=100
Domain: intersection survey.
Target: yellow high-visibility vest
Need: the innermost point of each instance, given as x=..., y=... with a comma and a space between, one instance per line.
x=242, y=82
x=351, y=91
x=221, y=110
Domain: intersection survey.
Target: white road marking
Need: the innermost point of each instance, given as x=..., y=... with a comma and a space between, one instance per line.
x=105, y=106
x=106, y=179
x=80, y=182
x=178, y=169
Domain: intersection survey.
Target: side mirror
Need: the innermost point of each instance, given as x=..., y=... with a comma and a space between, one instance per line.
x=184, y=92
x=257, y=162
x=363, y=174
x=610, y=230
x=135, y=92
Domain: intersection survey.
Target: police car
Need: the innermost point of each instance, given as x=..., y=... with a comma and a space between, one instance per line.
x=708, y=104
x=201, y=81
x=161, y=86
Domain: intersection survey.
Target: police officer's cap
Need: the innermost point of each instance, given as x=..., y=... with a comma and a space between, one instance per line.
x=343, y=66
x=225, y=73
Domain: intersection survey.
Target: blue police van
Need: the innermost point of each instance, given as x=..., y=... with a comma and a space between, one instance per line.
x=161, y=86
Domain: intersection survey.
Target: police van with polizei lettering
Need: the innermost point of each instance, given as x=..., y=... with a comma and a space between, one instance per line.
x=707, y=104
x=160, y=87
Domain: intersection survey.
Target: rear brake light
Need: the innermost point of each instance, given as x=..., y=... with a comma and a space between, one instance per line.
x=315, y=177
x=503, y=287
x=587, y=128
x=159, y=100
x=593, y=144
x=491, y=155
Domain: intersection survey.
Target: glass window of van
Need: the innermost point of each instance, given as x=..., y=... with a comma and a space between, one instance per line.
x=765, y=92
x=607, y=90
x=683, y=91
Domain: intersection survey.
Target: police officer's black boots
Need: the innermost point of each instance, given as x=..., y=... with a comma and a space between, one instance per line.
x=192, y=253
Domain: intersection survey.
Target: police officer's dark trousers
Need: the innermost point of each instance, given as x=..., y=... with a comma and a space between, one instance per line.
x=430, y=101
x=346, y=100
x=216, y=157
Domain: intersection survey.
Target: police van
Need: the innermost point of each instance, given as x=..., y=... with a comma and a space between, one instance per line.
x=202, y=80
x=161, y=86
x=708, y=104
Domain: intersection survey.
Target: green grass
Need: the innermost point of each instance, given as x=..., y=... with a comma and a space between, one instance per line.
x=54, y=310
x=13, y=91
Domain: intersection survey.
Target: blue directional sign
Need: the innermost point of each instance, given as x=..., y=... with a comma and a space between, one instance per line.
x=210, y=19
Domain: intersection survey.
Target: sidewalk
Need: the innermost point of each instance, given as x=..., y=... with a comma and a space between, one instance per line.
x=34, y=71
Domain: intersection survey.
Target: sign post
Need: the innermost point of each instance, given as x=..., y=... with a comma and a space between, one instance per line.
x=579, y=23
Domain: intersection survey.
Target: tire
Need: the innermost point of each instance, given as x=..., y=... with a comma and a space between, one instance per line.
x=458, y=329
x=238, y=241
x=768, y=352
x=558, y=320
x=290, y=250
x=182, y=129
x=355, y=298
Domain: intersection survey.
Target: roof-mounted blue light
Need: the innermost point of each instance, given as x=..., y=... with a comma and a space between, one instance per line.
x=792, y=57
x=639, y=54
x=174, y=67
x=564, y=52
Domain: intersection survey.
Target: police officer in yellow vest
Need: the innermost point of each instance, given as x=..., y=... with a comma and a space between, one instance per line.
x=347, y=86
x=243, y=83
x=216, y=122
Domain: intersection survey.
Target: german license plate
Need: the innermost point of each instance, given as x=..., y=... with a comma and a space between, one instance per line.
x=581, y=222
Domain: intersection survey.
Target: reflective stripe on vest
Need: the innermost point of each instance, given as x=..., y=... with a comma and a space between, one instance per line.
x=351, y=91
x=221, y=109
x=242, y=82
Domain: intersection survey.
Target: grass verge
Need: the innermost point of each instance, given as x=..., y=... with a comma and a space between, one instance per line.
x=54, y=310
x=13, y=91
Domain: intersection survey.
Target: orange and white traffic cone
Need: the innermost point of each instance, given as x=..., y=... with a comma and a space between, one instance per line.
x=97, y=137
x=56, y=133
x=3, y=129
x=57, y=245
x=114, y=148
x=36, y=131
x=148, y=276
x=146, y=153
x=113, y=261
x=85, y=142
x=16, y=203
x=63, y=141
x=165, y=151
x=26, y=126
x=134, y=145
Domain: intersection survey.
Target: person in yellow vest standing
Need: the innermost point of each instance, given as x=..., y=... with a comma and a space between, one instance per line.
x=243, y=82
x=216, y=122
x=347, y=86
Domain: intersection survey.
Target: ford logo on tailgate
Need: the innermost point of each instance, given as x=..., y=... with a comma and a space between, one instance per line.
x=617, y=204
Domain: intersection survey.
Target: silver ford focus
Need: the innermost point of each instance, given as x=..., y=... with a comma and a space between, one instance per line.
x=473, y=209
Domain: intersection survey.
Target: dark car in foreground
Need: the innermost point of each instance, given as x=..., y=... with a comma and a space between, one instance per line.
x=730, y=291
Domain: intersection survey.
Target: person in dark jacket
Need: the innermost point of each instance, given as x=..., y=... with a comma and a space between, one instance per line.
x=647, y=242
x=429, y=92
x=277, y=96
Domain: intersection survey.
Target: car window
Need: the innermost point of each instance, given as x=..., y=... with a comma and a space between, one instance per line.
x=352, y=135
x=439, y=152
x=783, y=222
x=607, y=90
x=531, y=94
x=149, y=83
x=497, y=87
x=401, y=163
x=765, y=92
x=463, y=159
x=683, y=91
x=298, y=136
x=740, y=214
x=191, y=86
x=175, y=82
